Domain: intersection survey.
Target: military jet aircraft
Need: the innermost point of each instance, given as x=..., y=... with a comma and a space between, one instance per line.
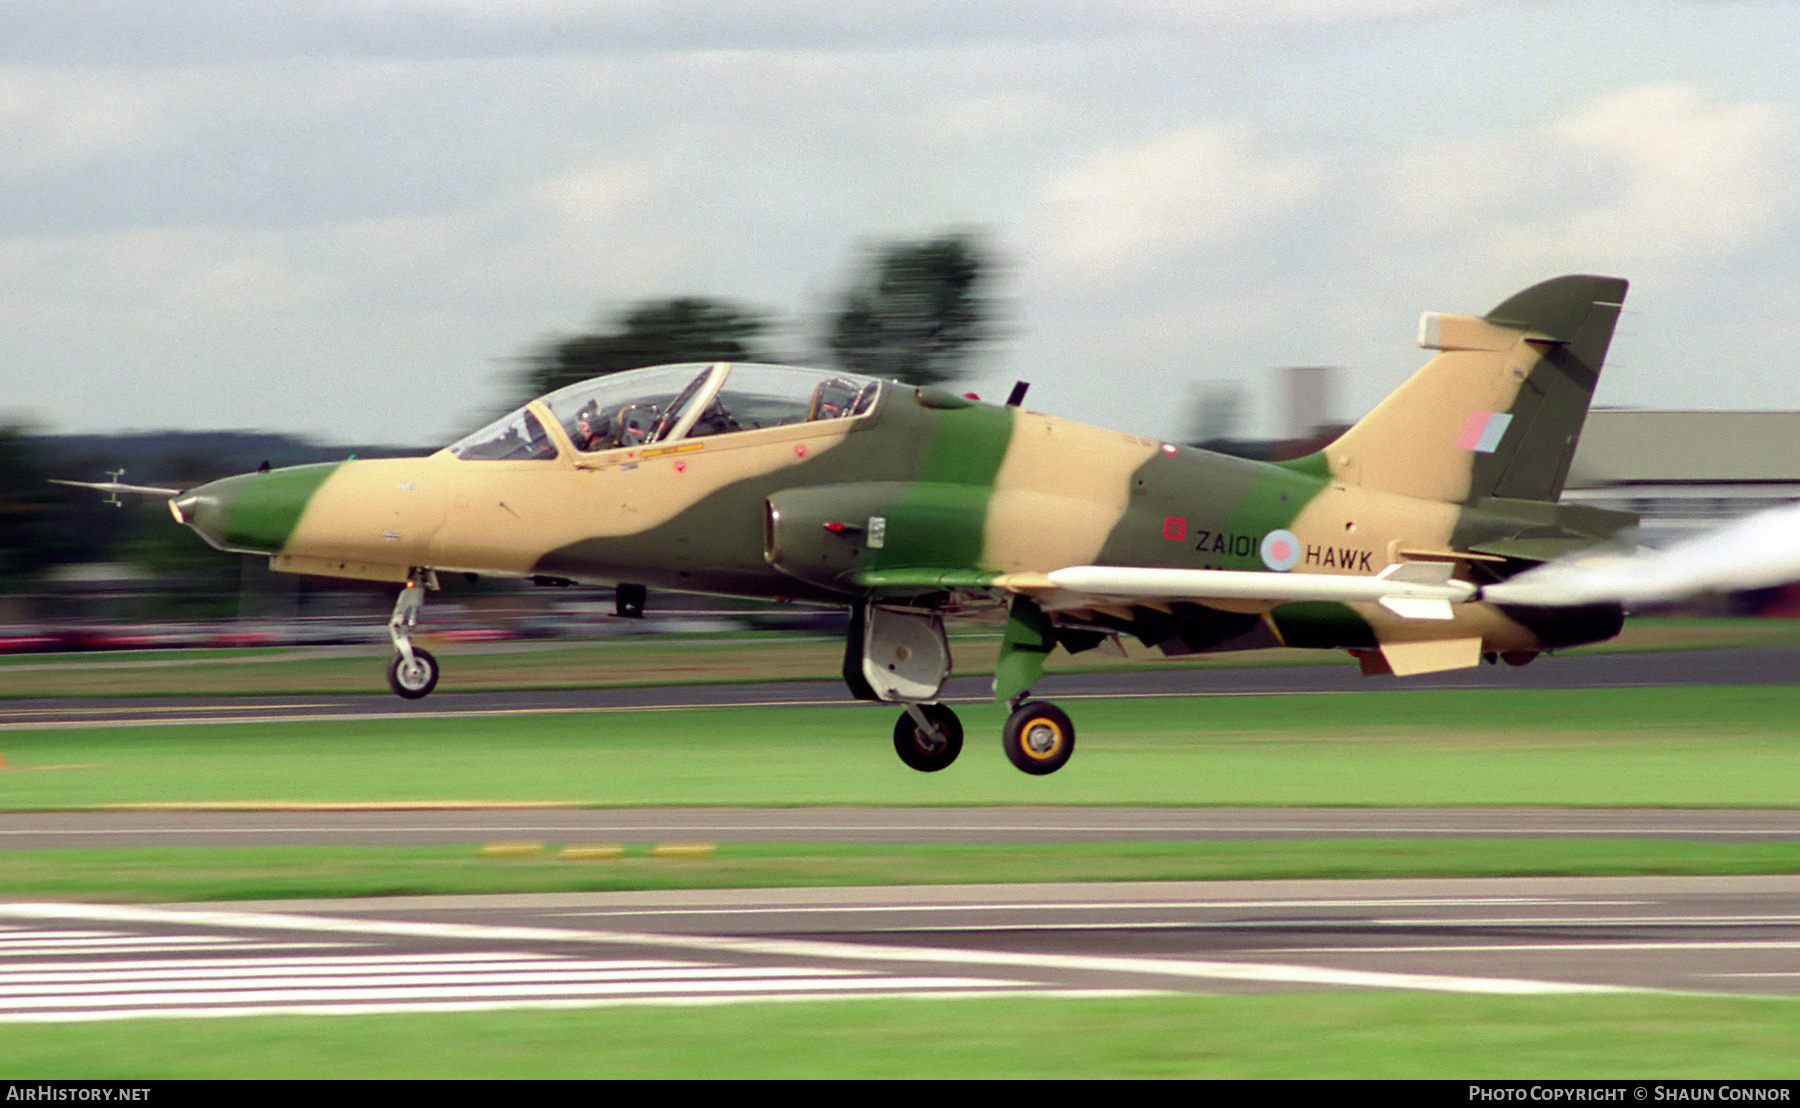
x=913, y=505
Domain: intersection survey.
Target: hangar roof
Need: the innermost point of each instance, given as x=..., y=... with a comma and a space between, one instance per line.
x=1633, y=447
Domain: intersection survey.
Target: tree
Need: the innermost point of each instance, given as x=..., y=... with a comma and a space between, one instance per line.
x=33, y=526
x=916, y=312
x=656, y=332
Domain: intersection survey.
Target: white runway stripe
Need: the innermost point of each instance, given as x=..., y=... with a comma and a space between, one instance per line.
x=808, y=949
x=136, y=942
x=85, y=992
x=295, y=967
x=94, y=983
x=476, y=982
x=18, y=942
x=695, y=999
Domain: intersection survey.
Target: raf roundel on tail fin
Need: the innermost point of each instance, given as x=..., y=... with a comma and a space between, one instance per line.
x=1497, y=412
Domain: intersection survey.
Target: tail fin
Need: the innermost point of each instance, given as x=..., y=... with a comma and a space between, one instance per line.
x=1497, y=412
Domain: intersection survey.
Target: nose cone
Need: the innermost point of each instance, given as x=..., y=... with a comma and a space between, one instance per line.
x=252, y=513
x=205, y=510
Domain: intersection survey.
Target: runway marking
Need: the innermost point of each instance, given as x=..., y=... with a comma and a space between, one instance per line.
x=316, y=964
x=301, y=806
x=15, y=941
x=1596, y=921
x=117, y=943
x=1165, y=968
x=1467, y=948
x=36, y=989
x=1070, y=906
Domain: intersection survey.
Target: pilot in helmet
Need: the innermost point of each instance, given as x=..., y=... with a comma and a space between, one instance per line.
x=593, y=428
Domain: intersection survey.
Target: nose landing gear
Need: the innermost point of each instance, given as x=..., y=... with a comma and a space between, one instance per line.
x=413, y=677
x=413, y=673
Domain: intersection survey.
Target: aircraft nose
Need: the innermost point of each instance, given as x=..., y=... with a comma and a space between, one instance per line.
x=252, y=513
x=203, y=509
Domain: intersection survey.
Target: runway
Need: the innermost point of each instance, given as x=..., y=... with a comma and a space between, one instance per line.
x=1717, y=935
x=389, y=825
x=1731, y=935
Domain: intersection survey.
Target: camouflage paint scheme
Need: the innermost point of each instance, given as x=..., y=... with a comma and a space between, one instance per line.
x=933, y=502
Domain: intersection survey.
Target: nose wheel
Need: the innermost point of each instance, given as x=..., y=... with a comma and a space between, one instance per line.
x=413, y=677
x=413, y=673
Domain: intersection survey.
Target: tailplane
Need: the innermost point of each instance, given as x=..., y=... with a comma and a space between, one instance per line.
x=1496, y=414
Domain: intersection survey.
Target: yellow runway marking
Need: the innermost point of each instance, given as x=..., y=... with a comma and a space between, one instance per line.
x=332, y=805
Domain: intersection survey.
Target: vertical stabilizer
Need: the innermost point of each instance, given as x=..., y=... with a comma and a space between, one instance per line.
x=1498, y=411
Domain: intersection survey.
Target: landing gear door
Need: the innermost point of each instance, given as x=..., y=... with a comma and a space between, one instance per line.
x=905, y=655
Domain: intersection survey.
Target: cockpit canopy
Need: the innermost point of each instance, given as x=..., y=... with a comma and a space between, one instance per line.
x=668, y=403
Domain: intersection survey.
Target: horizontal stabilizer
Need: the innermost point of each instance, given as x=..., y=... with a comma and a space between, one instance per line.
x=1407, y=659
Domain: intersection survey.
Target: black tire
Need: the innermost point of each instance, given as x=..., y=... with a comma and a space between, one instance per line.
x=923, y=751
x=416, y=680
x=1038, y=738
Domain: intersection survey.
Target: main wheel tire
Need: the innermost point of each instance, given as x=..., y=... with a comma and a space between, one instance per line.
x=415, y=680
x=922, y=750
x=1038, y=738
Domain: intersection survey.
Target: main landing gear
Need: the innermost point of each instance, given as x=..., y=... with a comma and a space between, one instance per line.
x=1038, y=737
x=901, y=656
x=928, y=737
x=413, y=673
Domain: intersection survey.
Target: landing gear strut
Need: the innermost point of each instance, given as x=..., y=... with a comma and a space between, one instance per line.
x=414, y=672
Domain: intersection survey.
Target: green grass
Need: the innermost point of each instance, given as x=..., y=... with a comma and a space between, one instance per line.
x=1674, y=747
x=1681, y=747
x=1307, y=1035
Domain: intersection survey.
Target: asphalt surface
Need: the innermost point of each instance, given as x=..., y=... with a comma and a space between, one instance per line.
x=1736, y=935
x=1719, y=935
x=392, y=826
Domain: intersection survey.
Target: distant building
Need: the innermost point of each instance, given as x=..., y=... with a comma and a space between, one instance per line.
x=1309, y=399
x=1686, y=471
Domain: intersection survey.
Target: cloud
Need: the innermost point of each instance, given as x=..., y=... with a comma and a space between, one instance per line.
x=1660, y=174
x=1696, y=175
x=52, y=119
x=134, y=33
x=1113, y=216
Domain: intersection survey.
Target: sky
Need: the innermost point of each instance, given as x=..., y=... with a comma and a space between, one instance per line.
x=350, y=219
